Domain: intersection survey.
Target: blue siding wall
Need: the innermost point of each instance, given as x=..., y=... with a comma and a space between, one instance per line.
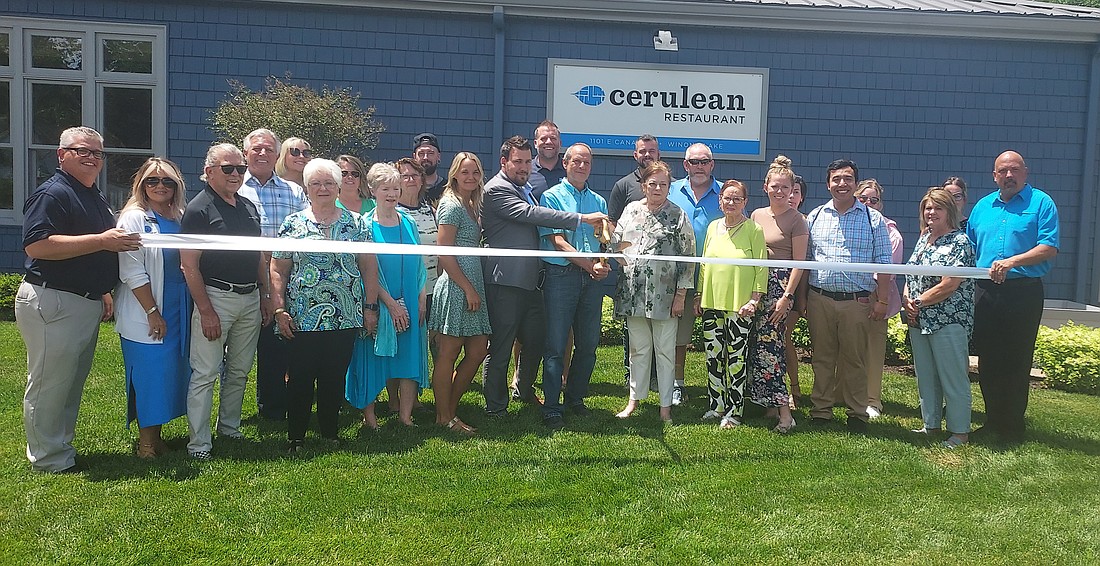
x=909, y=110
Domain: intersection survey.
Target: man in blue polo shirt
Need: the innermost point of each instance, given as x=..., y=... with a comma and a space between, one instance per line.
x=1015, y=235
x=571, y=294
x=697, y=194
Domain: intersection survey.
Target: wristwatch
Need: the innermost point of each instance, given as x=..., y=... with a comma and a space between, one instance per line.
x=918, y=303
x=789, y=296
x=371, y=306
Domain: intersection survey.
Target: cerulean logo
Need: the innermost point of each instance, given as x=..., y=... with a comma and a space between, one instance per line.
x=590, y=95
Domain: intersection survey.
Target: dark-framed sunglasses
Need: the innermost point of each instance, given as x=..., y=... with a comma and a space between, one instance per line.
x=229, y=169
x=351, y=173
x=168, y=182
x=872, y=200
x=300, y=152
x=703, y=161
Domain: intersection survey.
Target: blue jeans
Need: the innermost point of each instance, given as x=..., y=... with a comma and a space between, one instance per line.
x=574, y=301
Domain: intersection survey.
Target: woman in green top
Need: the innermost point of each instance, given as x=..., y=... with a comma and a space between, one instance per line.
x=354, y=194
x=727, y=300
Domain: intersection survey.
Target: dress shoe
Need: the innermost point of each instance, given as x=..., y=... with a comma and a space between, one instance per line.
x=554, y=422
x=857, y=426
x=580, y=410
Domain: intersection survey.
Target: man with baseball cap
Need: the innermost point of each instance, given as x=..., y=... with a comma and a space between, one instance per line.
x=426, y=152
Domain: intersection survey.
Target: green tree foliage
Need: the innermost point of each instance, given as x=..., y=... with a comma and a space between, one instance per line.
x=1089, y=3
x=332, y=120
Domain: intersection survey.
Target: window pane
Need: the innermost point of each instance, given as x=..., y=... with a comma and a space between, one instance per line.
x=53, y=109
x=120, y=172
x=5, y=112
x=43, y=165
x=57, y=52
x=7, y=181
x=127, y=56
x=128, y=117
x=5, y=50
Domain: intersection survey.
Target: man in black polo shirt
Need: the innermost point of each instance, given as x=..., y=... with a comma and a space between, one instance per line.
x=426, y=152
x=546, y=169
x=72, y=264
x=223, y=285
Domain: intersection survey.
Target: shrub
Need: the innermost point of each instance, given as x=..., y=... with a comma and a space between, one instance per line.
x=611, y=328
x=331, y=120
x=1070, y=357
x=9, y=285
x=899, y=351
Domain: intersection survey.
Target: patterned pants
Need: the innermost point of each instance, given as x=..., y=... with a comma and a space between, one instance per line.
x=769, y=353
x=726, y=338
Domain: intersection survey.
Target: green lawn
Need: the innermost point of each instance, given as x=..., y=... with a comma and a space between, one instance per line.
x=602, y=491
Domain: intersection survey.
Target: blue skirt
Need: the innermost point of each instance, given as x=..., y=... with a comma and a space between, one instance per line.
x=157, y=375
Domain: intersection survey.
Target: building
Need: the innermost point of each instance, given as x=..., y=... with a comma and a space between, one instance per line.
x=913, y=91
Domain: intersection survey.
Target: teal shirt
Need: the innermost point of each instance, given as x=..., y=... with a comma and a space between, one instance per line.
x=564, y=196
x=1001, y=229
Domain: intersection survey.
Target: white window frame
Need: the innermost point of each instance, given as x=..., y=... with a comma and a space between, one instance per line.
x=20, y=75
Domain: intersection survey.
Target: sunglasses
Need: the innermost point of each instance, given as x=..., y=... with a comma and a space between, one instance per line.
x=351, y=173
x=168, y=182
x=229, y=169
x=300, y=152
x=703, y=161
x=872, y=200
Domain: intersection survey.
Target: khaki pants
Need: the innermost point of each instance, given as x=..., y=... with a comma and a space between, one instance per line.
x=876, y=360
x=838, y=332
x=60, y=330
x=240, y=320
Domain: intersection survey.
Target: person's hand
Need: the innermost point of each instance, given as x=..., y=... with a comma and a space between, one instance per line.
x=911, y=310
x=423, y=308
x=108, y=307
x=370, y=322
x=782, y=308
x=747, y=310
x=878, y=311
x=266, y=312
x=473, y=300
x=1000, y=268
x=118, y=240
x=697, y=306
x=599, y=271
x=593, y=218
x=211, y=325
x=285, y=323
x=158, y=328
x=677, y=306
x=399, y=314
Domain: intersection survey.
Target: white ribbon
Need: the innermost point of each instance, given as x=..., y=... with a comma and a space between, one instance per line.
x=260, y=244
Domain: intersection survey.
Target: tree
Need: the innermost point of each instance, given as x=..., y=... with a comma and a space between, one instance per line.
x=331, y=120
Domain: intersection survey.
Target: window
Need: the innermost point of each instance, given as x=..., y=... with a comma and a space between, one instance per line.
x=57, y=74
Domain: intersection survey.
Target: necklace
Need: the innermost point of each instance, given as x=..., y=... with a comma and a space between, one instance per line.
x=325, y=224
x=733, y=230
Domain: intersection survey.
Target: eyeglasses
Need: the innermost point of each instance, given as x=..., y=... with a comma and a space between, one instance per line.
x=958, y=197
x=412, y=177
x=733, y=200
x=703, y=161
x=168, y=182
x=655, y=184
x=349, y=173
x=319, y=184
x=872, y=200
x=300, y=152
x=85, y=152
x=229, y=169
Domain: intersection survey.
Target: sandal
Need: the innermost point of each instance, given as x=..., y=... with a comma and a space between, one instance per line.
x=729, y=422
x=784, y=428
x=146, y=450
x=456, y=425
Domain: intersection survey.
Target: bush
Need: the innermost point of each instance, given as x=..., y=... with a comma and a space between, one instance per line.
x=611, y=328
x=899, y=351
x=1070, y=357
x=331, y=121
x=9, y=285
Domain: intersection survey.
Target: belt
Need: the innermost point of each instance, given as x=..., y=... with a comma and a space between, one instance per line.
x=234, y=287
x=840, y=296
x=36, y=280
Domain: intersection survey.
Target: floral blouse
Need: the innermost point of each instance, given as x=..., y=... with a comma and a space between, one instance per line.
x=324, y=290
x=952, y=250
x=646, y=287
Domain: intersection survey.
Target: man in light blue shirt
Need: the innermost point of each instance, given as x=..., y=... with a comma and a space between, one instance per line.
x=697, y=195
x=572, y=295
x=1015, y=235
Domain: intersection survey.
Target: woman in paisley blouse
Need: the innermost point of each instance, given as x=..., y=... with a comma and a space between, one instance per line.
x=940, y=313
x=727, y=300
x=651, y=293
x=319, y=303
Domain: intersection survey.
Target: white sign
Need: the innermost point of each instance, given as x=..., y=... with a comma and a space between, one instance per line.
x=608, y=105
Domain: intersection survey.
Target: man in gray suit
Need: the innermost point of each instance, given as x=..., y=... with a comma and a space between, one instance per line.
x=510, y=217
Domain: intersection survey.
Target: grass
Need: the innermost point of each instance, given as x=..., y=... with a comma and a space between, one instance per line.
x=603, y=491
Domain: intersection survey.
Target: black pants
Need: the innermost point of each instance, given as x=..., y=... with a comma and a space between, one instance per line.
x=319, y=358
x=513, y=313
x=1006, y=322
x=271, y=369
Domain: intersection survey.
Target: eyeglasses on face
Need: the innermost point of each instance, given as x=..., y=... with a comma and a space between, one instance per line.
x=733, y=200
x=319, y=184
x=168, y=182
x=229, y=169
x=411, y=177
x=958, y=197
x=655, y=184
x=85, y=152
x=300, y=152
x=703, y=161
x=872, y=200
x=349, y=173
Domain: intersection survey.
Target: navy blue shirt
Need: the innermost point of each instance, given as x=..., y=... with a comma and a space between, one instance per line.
x=542, y=178
x=208, y=213
x=64, y=206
